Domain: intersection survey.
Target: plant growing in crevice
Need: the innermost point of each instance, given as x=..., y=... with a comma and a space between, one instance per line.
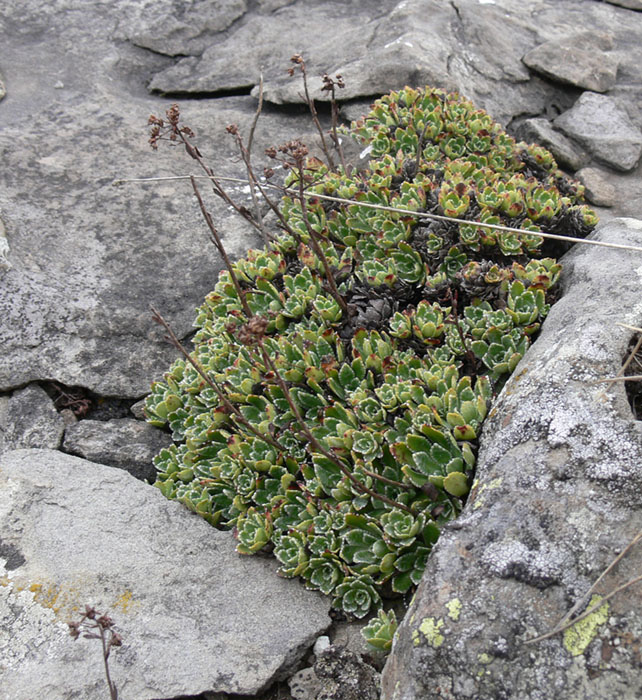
x=331, y=408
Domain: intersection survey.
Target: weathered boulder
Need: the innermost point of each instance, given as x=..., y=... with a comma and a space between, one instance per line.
x=604, y=129
x=124, y=443
x=581, y=60
x=28, y=418
x=557, y=496
x=194, y=615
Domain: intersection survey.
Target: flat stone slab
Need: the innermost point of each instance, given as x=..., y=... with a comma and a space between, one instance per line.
x=194, y=615
x=581, y=60
x=124, y=443
x=601, y=125
x=556, y=498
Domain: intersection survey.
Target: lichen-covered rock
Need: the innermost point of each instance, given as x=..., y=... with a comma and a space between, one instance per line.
x=557, y=497
x=194, y=616
x=345, y=676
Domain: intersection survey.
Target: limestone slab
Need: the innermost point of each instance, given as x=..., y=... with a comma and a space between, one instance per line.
x=194, y=615
x=582, y=60
x=28, y=418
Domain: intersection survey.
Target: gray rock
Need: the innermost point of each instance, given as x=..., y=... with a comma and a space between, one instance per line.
x=629, y=4
x=305, y=685
x=172, y=29
x=538, y=130
x=557, y=496
x=345, y=676
x=77, y=308
x=580, y=60
x=29, y=419
x=138, y=409
x=194, y=615
x=124, y=443
x=599, y=190
x=461, y=46
x=604, y=129
x=4, y=249
x=3, y=90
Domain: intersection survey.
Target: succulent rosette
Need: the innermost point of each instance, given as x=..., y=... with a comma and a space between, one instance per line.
x=341, y=375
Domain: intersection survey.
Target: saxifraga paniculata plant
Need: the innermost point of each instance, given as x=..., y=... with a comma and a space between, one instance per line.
x=342, y=436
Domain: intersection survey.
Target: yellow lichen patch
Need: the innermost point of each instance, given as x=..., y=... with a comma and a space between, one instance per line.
x=480, y=496
x=431, y=629
x=484, y=658
x=62, y=599
x=583, y=632
x=126, y=602
x=454, y=608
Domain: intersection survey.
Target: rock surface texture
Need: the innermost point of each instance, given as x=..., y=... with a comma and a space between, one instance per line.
x=82, y=259
x=193, y=614
x=75, y=308
x=557, y=497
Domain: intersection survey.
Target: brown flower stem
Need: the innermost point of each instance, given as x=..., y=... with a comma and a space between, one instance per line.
x=113, y=692
x=216, y=239
x=335, y=136
x=219, y=392
x=385, y=479
x=317, y=248
x=316, y=444
x=246, y=154
x=216, y=185
x=469, y=353
x=315, y=116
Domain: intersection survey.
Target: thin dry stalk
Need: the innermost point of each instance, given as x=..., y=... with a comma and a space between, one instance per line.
x=314, y=240
x=566, y=622
x=297, y=59
x=408, y=212
x=619, y=377
x=246, y=154
x=229, y=406
x=216, y=239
